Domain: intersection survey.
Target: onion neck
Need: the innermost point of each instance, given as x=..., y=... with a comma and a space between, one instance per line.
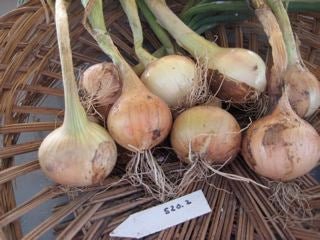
x=99, y=32
x=284, y=23
x=131, y=10
x=75, y=118
x=279, y=54
x=196, y=45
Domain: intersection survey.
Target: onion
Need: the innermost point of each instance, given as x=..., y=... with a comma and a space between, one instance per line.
x=281, y=146
x=210, y=132
x=138, y=120
x=173, y=78
x=102, y=86
x=206, y=138
x=243, y=70
x=80, y=152
x=303, y=86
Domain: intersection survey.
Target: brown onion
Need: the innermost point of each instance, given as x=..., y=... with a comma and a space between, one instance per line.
x=303, y=86
x=281, y=146
x=303, y=90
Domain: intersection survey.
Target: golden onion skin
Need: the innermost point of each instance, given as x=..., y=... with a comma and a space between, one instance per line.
x=281, y=146
x=102, y=83
x=303, y=90
x=139, y=120
x=213, y=133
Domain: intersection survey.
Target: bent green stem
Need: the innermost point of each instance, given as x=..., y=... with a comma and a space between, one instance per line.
x=214, y=7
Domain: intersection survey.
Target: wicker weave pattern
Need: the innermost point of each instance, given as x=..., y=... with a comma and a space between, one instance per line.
x=30, y=71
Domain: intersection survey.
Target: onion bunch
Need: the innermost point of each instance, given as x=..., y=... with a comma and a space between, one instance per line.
x=80, y=152
x=138, y=120
x=243, y=70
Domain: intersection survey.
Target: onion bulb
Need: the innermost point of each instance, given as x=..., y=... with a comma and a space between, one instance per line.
x=302, y=86
x=243, y=70
x=172, y=78
x=206, y=138
x=80, y=152
x=281, y=146
x=210, y=132
x=138, y=120
x=303, y=90
x=102, y=86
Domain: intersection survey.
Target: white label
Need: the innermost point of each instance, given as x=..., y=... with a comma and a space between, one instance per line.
x=163, y=216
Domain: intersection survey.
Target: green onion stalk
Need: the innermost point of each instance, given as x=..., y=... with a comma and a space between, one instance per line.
x=213, y=7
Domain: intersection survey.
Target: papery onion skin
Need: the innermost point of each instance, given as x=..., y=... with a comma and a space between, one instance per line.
x=281, y=146
x=303, y=90
x=101, y=82
x=139, y=120
x=170, y=78
x=80, y=159
x=244, y=69
x=214, y=134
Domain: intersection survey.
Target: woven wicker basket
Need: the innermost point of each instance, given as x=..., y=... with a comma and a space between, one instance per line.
x=30, y=73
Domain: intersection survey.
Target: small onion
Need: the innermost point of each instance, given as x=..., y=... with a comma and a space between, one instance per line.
x=281, y=146
x=102, y=86
x=303, y=90
x=173, y=78
x=302, y=86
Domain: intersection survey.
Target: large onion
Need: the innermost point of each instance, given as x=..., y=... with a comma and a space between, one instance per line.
x=281, y=146
x=80, y=152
